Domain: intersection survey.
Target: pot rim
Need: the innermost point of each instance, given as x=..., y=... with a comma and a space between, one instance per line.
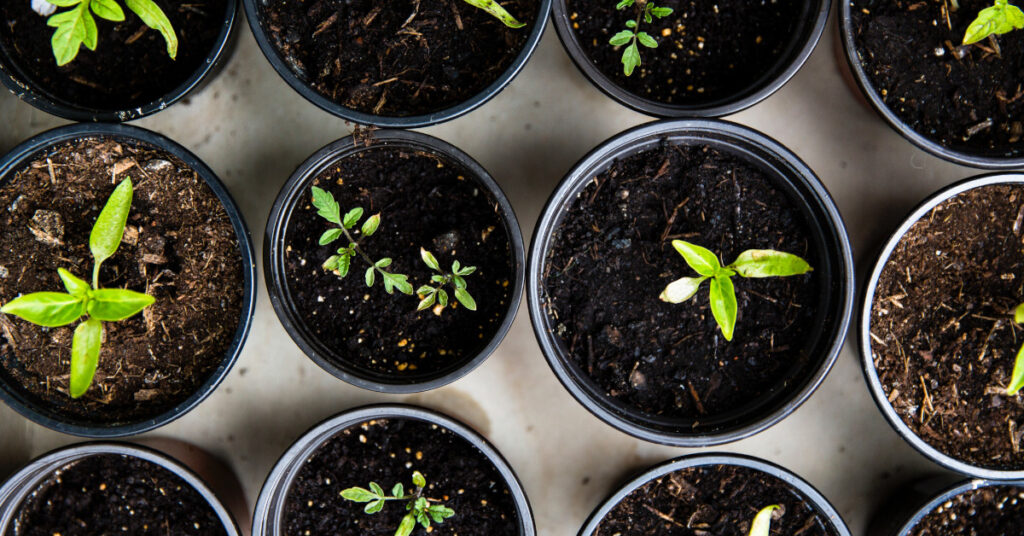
x=948, y=493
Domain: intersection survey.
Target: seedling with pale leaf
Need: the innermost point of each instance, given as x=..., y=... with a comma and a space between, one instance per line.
x=999, y=18
x=631, y=36
x=762, y=524
x=456, y=278
x=421, y=509
x=494, y=9
x=1017, y=377
x=76, y=26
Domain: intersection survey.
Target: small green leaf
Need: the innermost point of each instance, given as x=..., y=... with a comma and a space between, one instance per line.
x=646, y=40
x=418, y=480
x=331, y=264
x=630, y=59
x=1018, y=314
x=723, y=305
x=398, y=491
x=76, y=287
x=69, y=34
x=495, y=10
x=442, y=298
x=420, y=504
x=467, y=270
x=92, y=34
x=681, y=289
x=370, y=225
x=426, y=289
x=374, y=507
x=352, y=217
x=465, y=299
x=630, y=24
x=702, y=260
x=623, y=4
x=438, y=279
x=661, y=12
x=327, y=207
x=422, y=517
x=344, y=263
x=154, y=17
x=375, y=487
x=440, y=512
x=408, y=523
x=370, y=273
x=456, y=266
x=85, y=355
x=396, y=281
x=426, y=302
x=761, y=525
x=429, y=260
x=621, y=38
x=330, y=235
x=48, y=309
x=109, y=227
x=769, y=263
x=647, y=15
x=107, y=9
x=998, y=19
x=113, y=304
x=458, y=281
x=383, y=263
x=357, y=494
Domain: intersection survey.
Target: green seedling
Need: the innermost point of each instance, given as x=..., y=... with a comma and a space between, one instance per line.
x=98, y=305
x=494, y=9
x=632, y=36
x=421, y=509
x=76, y=26
x=762, y=524
x=750, y=263
x=436, y=292
x=1017, y=378
x=997, y=19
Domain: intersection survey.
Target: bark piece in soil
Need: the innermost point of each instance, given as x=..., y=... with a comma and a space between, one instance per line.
x=114, y=494
x=943, y=337
x=179, y=246
x=424, y=201
x=988, y=511
x=388, y=451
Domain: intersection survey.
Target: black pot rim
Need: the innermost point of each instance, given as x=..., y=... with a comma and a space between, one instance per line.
x=864, y=329
x=582, y=172
x=12, y=161
x=412, y=121
x=762, y=89
x=923, y=143
x=15, y=488
x=275, y=489
x=948, y=493
x=273, y=260
x=818, y=501
x=27, y=92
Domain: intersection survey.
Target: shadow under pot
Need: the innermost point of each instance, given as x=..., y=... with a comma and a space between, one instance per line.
x=937, y=506
x=606, y=250
x=130, y=74
x=405, y=64
x=183, y=244
x=959, y=102
x=406, y=274
x=411, y=460
x=718, y=494
x=692, y=59
x=937, y=334
x=107, y=488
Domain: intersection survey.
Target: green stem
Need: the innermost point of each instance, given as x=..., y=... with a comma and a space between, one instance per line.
x=359, y=250
x=96, y=276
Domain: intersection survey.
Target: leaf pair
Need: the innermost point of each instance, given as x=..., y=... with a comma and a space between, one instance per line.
x=1002, y=17
x=722, y=296
x=77, y=27
x=630, y=36
x=496, y=11
x=420, y=509
x=456, y=278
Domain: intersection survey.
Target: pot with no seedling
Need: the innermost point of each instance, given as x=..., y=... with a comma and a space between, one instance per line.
x=689, y=59
x=392, y=469
x=941, y=505
x=945, y=75
x=405, y=64
x=940, y=332
x=395, y=264
x=690, y=282
x=111, y=60
x=126, y=280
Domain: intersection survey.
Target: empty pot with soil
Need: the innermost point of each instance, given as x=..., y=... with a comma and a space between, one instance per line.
x=404, y=64
x=112, y=64
x=672, y=58
x=939, y=506
x=741, y=351
x=392, y=469
x=152, y=318
x=396, y=264
x=938, y=336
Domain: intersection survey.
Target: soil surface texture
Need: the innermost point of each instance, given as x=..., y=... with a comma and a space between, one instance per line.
x=179, y=246
x=130, y=66
x=989, y=511
x=942, y=330
x=967, y=98
x=113, y=494
x=612, y=256
x=388, y=451
x=406, y=57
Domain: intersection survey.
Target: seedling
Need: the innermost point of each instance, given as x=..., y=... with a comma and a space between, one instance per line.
x=1017, y=377
x=76, y=27
x=762, y=523
x=456, y=279
x=98, y=305
x=498, y=12
x=646, y=12
x=1000, y=18
x=750, y=263
x=419, y=507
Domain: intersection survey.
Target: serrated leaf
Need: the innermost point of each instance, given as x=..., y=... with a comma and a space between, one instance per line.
x=69, y=34
x=465, y=299
x=681, y=289
x=418, y=479
x=48, y=309
x=109, y=227
x=352, y=217
x=998, y=19
x=496, y=11
x=762, y=524
x=370, y=225
x=113, y=304
x=646, y=40
x=408, y=523
x=85, y=355
x=107, y=9
x=75, y=286
x=423, y=519
x=723, y=305
x=429, y=260
x=154, y=17
x=769, y=263
x=327, y=208
x=630, y=59
x=374, y=507
x=330, y=235
x=370, y=274
x=357, y=494
x=396, y=281
x=702, y=260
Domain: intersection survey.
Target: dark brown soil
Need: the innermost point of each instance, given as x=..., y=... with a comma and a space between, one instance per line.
x=612, y=256
x=424, y=201
x=965, y=98
x=406, y=57
x=179, y=247
x=388, y=451
x=114, y=494
x=712, y=499
x=707, y=51
x=130, y=66
x=989, y=511
x=943, y=335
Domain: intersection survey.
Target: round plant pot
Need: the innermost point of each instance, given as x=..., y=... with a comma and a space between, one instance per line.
x=769, y=73
x=956, y=505
x=687, y=147
x=876, y=342
x=193, y=69
x=927, y=62
x=203, y=191
x=404, y=339
x=272, y=507
x=293, y=71
x=775, y=485
x=20, y=489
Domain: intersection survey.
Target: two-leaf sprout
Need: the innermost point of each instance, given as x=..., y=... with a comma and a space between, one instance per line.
x=750, y=263
x=76, y=26
x=420, y=508
x=762, y=524
x=646, y=12
x=53, y=309
x=1000, y=18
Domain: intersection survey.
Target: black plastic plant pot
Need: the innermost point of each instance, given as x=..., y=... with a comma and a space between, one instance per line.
x=23, y=78
x=620, y=332
x=748, y=484
x=875, y=341
x=288, y=69
x=943, y=505
x=429, y=195
x=775, y=71
x=389, y=439
x=124, y=408
x=120, y=478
